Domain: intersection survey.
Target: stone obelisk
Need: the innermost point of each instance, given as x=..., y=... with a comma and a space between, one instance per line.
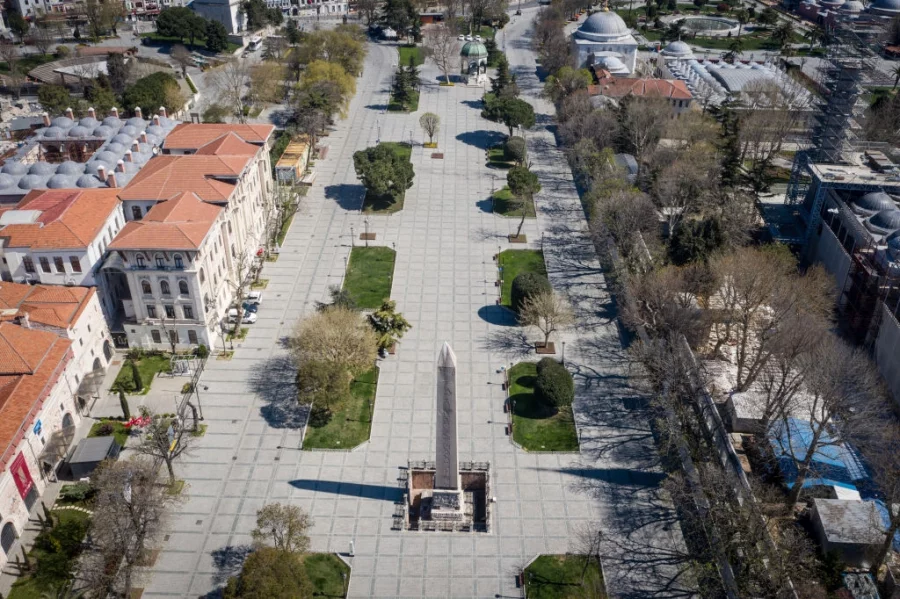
x=446, y=476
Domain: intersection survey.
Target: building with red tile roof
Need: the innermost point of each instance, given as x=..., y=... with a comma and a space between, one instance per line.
x=674, y=91
x=188, y=138
x=38, y=415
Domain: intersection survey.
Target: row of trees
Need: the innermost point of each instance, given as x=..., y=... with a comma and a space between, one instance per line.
x=185, y=24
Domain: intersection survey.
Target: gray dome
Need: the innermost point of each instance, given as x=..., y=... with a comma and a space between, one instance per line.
x=152, y=140
x=141, y=157
x=112, y=121
x=611, y=64
x=42, y=168
x=106, y=156
x=603, y=25
x=852, y=6
x=677, y=48
x=137, y=122
x=122, y=179
x=103, y=131
x=116, y=148
x=168, y=123
x=893, y=241
x=157, y=130
x=63, y=122
x=79, y=131
x=6, y=181
x=130, y=131
x=132, y=167
x=14, y=168
x=62, y=182
x=31, y=182
x=889, y=6
x=54, y=133
x=874, y=201
x=93, y=167
x=89, y=122
x=886, y=220
x=123, y=139
x=70, y=167
x=88, y=181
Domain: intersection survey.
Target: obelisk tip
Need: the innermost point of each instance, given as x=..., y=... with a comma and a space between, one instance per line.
x=447, y=359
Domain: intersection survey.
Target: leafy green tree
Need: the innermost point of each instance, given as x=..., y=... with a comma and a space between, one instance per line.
x=151, y=92
x=382, y=171
x=513, y=113
x=270, y=574
x=215, y=113
x=783, y=34
x=320, y=70
x=285, y=526
x=322, y=384
x=292, y=32
x=195, y=27
x=389, y=325
x=17, y=24
x=258, y=15
x=118, y=71
x=216, y=36
x=523, y=184
x=136, y=379
x=525, y=286
x=173, y=22
x=553, y=385
x=399, y=15
x=315, y=105
x=565, y=82
x=696, y=240
x=54, y=98
x=514, y=149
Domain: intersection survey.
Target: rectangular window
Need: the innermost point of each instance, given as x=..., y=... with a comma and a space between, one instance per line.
x=188, y=312
x=192, y=336
x=76, y=263
x=139, y=260
x=45, y=265
x=156, y=336
x=173, y=337
x=28, y=263
x=151, y=311
x=160, y=262
x=170, y=311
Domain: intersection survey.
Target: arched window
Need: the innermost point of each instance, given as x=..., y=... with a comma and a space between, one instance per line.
x=160, y=261
x=183, y=288
x=179, y=263
x=145, y=288
x=202, y=276
x=136, y=212
x=164, y=287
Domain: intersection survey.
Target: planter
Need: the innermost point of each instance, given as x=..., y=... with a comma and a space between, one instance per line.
x=542, y=349
x=367, y=236
x=438, y=155
x=430, y=145
x=518, y=238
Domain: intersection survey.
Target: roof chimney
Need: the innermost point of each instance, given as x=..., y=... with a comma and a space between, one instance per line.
x=135, y=146
x=128, y=157
x=46, y=118
x=156, y=119
x=143, y=137
x=101, y=173
x=111, y=180
x=137, y=111
x=114, y=112
x=70, y=114
x=92, y=113
x=120, y=166
x=162, y=111
x=24, y=320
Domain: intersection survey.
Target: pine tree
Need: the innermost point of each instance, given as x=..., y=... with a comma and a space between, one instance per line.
x=412, y=74
x=731, y=159
x=136, y=377
x=504, y=82
x=123, y=401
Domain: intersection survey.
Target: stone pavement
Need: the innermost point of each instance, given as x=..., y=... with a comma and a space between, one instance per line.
x=444, y=284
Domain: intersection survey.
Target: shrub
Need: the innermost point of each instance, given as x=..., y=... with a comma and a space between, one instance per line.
x=104, y=430
x=63, y=51
x=526, y=285
x=77, y=492
x=202, y=351
x=553, y=386
x=514, y=149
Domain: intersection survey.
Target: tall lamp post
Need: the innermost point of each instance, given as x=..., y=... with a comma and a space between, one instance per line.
x=366, y=223
x=197, y=393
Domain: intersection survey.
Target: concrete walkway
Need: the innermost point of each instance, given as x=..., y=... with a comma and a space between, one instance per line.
x=444, y=284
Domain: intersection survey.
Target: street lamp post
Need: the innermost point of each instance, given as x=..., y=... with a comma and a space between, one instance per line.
x=352, y=237
x=366, y=223
x=197, y=393
x=344, y=276
x=564, y=353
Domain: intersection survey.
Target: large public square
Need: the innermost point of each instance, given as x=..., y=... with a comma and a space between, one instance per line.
x=446, y=238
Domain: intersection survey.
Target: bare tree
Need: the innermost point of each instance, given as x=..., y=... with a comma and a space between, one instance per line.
x=243, y=268
x=9, y=53
x=430, y=123
x=442, y=47
x=547, y=312
x=231, y=82
x=883, y=450
x=335, y=335
x=285, y=527
x=128, y=517
x=686, y=185
x=182, y=58
x=642, y=122
x=662, y=303
x=369, y=9
x=165, y=439
x=42, y=37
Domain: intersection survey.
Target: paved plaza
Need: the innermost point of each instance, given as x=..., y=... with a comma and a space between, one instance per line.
x=445, y=239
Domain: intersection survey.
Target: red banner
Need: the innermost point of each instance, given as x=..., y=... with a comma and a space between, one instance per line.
x=21, y=475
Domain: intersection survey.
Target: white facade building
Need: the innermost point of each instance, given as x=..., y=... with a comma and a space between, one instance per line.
x=606, y=41
x=228, y=12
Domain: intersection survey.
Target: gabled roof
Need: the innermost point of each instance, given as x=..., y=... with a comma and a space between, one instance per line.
x=180, y=223
x=51, y=305
x=228, y=144
x=166, y=176
x=69, y=219
x=193, y=136
x=616, y=87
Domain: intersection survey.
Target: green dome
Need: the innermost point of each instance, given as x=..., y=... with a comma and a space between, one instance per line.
x=473, y=50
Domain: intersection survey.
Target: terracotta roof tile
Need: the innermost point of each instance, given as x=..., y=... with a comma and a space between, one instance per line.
x=228, y=144
x=52, y=305
x=615, y=87
x=69, y=219
x=181, y=223
x=165, y=176
x=193, y=136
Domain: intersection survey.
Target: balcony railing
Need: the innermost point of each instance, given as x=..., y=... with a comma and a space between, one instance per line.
x=165, y=267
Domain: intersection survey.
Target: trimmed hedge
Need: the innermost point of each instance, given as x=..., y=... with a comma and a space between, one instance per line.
x=526, y=285
x=514, y=149
x=553, y=385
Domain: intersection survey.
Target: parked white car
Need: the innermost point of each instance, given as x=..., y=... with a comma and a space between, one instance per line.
x=254, y=297
x=248, y=317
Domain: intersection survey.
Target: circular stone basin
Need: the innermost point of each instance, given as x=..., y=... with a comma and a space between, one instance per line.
x=709, y=25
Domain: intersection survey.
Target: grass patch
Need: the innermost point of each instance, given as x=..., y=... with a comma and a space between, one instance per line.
x=559, y=577
x=242, y=334
x=414, y=52
x=175, y=488
x=116, y=429
x=505, y=204
x=515, y=262
x=370, y=273
x=496, y=157
x=26, y=63
x=325, y=572
x=285, y=227
x=260, y=284
x=411, y=106
x=533, y=427
x=201, y=430
x=148, y=366
x=190, y=83
x=388, y=204
x=351, y=420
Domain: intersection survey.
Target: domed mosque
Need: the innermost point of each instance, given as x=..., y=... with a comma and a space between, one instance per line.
x=888, y=8
x=604, y=39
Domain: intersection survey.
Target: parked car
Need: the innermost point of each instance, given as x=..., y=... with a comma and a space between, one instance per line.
x=254, y=297
x=478, y=38
x=468, y=38
x=248, y=307
x=248, y=317
x=460, y=37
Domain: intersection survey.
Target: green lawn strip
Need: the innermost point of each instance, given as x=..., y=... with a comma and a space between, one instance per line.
x=533, y=427
x=370, y=273
x=505, y=205
x=412, y=106
x=148, y=366
x=387, y=204
x=119, y=432
x=324, y=571
x=559, y=577
x=351, y=421
x=285, y=227
x=515, y=262
x=496, y=157
x=411, y=51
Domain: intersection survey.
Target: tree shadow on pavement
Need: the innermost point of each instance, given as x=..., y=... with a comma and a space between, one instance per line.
x=511, y=343
x=228, y=562
x=482, y=138
x=498, y=315
x=275, y=383
x=348, y=196
x=349, y=489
